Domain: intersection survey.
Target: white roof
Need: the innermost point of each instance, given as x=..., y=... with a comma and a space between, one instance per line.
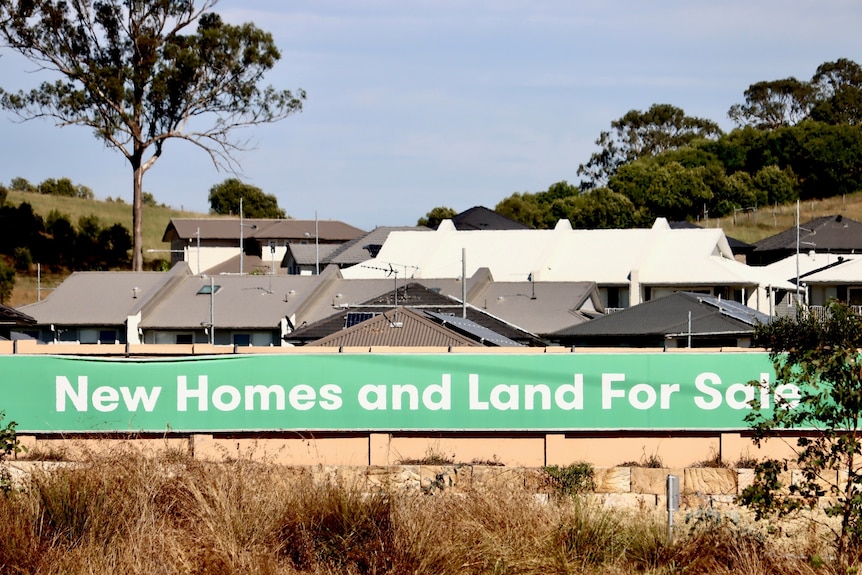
x=660, y=255
x=847, y=272
x=812, y=261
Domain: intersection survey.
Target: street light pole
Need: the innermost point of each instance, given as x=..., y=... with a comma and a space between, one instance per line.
x=240, y=236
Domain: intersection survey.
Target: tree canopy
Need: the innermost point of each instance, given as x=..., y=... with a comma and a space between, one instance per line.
x=225, y=197
x=433, y=218
x=135, y=74
x=642, y=134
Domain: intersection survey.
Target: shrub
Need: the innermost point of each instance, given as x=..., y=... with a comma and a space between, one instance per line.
x=571, y=480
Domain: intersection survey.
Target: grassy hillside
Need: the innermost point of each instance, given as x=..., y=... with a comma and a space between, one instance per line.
x=156, y=220
x=768, y=221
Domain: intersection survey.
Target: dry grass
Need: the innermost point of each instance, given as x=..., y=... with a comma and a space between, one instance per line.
x=768, y=221
x=125, y=513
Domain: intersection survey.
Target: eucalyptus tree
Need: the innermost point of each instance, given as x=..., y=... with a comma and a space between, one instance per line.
x=137, y=73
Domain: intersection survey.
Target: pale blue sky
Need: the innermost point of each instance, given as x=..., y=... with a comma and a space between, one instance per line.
x=417, y=104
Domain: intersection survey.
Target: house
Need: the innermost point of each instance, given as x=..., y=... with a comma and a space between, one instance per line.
x=820, y=277
x=408, y=327
x=681, y=319
x=828, y=234
x=842, y=280
x=309, y=259
x=256, y=310
x=628, y=265
x=13, y=322
x=434, y=305
x=99, y=307
x=204, y=243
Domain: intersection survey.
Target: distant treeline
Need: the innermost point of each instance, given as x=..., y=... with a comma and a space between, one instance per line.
x=55, y=242
x=794, y=140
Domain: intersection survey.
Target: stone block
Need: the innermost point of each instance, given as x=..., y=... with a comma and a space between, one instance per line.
x=498, y=478
x=613, y=479
x=439, y=477
x=653, y=480
x=631, y=501
x=744, y=478
x=710, y=480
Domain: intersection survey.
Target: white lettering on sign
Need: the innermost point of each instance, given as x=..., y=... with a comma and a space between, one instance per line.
x=407, y=396
x=508, y=397
x=742, y=395
x=103, y=398
x=641, y=396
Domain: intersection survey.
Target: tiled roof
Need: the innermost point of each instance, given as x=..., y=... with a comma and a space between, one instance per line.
x=262, y=229
x=829, y=233
x=670, y=315
x=399, y=327
x=100, y=298
x=482, y=218
x=413, y=295
x=11, y=316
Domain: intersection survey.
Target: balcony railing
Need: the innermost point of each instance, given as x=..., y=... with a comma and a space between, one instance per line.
x=821, y=311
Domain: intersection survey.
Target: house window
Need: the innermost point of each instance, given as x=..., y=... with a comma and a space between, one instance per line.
x=854, y=296
x=108, y=336
x=184, y=338
x=242, y=339
x=613, y=296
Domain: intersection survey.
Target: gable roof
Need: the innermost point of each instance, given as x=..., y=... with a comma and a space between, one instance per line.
x=482, y=218
x=670, y=315
x=826, y=234
x=228, y=228
x=101, y=298
x=12, y=317
x=737, y=246
x=311, y=254
x=396, y=327
x=660, y=255
x=412, y=295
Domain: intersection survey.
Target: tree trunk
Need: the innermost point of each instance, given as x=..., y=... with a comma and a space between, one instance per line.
x=137, y=215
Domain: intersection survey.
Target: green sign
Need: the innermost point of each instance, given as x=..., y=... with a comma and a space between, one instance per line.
x=369, y=392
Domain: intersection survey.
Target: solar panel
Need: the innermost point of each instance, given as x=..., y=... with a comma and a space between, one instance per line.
x=355, y=317
x=735, y=310
x=481, y=333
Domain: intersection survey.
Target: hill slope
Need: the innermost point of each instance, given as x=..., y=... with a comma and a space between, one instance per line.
x=156, y=219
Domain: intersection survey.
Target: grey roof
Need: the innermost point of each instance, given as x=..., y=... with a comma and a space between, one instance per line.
x=11, y=316
x=402, y=327
x=364, y=247
x=241, y=302
x=251, y=264
x=825, y=234
x=539, y=307
x=413, y=295
x=100, y=298
x=309, y=254
x=473, y=330
x=264, y=229
x=482, y=218
x=669, y=315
